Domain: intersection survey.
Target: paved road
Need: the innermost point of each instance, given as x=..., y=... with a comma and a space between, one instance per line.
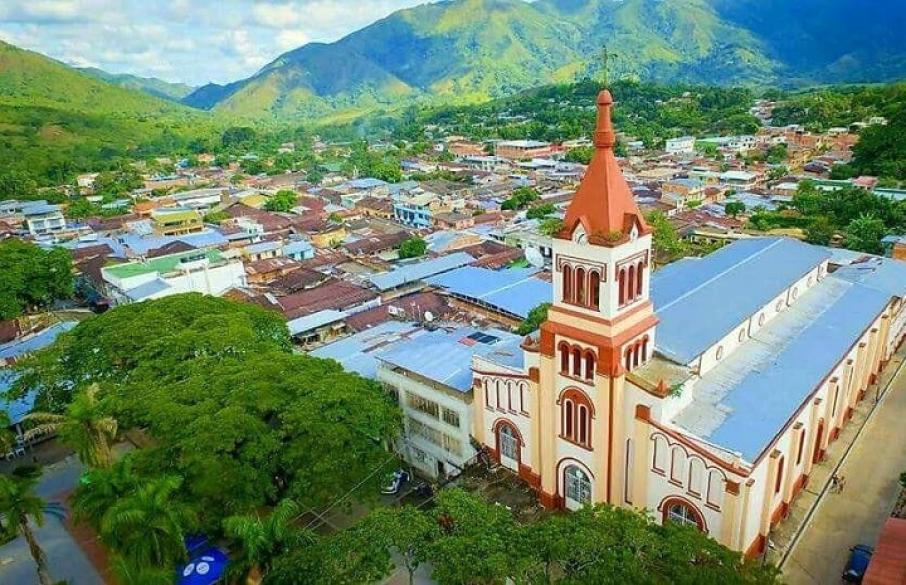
x=66, y=560
x=856, y=516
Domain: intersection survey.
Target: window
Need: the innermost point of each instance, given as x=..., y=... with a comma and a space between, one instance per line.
x=630, y=284
x=629, y=352
x=677, y=464
x=576, y=418
x=580, y=286
x=522, y=397
x=800, y=449
x=720, y=352
x=446, y=442
x=715, y=488
x=487, y=394
x=594, y=290
x=761, y=319
x=683, y=514
x=621, y=281
x=568, y=283
x=638, y=280
x=696, y=476
x=577, y=362
x=779, y=306
x=577, y=486
x=589, y=365
x=659, y=455
x=809, y=281
x=779, y=481
x=451, y=417
x=742, y=335
x=416, y=402
x=509, y=444
x=564, y=358
x=795, y=292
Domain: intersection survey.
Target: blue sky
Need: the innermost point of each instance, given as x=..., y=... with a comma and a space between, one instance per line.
x=192, y=41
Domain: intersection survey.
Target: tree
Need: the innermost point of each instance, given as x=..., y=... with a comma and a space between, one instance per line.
x=580, y=154
x=540, y=211
x=283, y=201
x=252, y=165
x=520, y=199
x=20, y=506
x=550, y=227
x=85, y=427
x=413, y=248
x=237, y=137
x=734, y=208
x=820, y=231
x=18, y=185
x=113, y=184
x=32, y=277
x=666, y=241
x=262, y=540
x=100, y=488
x=407, y=530
x=864, y=234
x=147, y=526
x=535, y=318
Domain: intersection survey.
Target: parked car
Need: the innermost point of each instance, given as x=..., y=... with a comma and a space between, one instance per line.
x=397, y=480
x=859, y=557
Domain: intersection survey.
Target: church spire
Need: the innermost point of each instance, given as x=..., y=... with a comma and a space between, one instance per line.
x=604, y=206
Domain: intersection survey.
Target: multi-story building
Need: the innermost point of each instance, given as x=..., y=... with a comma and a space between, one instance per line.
x=523, y=149
x=704, y=393
x=681, y=145
x=42, y=218
x=176, y=222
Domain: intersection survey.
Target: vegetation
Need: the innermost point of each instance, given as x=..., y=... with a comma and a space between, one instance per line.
x=32, y=277
x=667, y=244
x=413, y=248
x=521, y=198
x=540, y=211
x=734, y=208
x=551, y=226
x=284, y=201
x=535, y=318
x=19, y=508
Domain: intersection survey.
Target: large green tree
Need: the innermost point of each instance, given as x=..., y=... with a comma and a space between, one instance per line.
x=32, y=277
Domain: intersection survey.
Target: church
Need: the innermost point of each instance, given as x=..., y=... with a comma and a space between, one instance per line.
x=704, y=392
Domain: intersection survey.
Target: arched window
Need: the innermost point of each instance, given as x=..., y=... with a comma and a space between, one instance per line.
x=659, y=454
x=778, y=483
x=594, y=290
x=720, y=353
x=636, y=354
x=645, y=350
x=638, y=278
x=677, y=464
x=629, y=359
x=508, y=442
x=568, y=283
x=577, y=362
x=499, y=399
x=576, y=413
x=509, y=395
x=761, y=319
x=564, y=358
x=696, y=476
x=576, y=486
x=582, y=426
x=580, y=286
x=630, y=284
x=715, y=488
x=682, y=513
x=621, y=281
x=568, y=416
x=742, y=335
x=487, y=394
x=589, y=365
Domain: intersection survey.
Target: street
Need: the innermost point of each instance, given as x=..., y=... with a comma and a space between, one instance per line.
x=855, y=516
x=66, y=560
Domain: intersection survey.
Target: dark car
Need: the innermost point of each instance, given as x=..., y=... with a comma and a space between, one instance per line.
x=859, y=557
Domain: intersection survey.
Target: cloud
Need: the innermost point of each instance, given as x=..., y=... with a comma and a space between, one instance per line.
x=193, y=41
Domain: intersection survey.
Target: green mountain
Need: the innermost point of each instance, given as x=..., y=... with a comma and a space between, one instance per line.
x=55, y=120
x=465, y=51
x=150, y=85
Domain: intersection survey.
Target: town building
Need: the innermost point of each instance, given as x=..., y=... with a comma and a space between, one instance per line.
x=202, y=271
x=681, y=145
x=523, y=149
x=703, y=393
x=174, y=222
x=42, y=218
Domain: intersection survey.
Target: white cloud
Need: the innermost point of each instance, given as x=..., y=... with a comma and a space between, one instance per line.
x=193, y=41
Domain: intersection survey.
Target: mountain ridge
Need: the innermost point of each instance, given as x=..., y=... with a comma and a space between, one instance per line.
x=463, y=51
x=151, y=85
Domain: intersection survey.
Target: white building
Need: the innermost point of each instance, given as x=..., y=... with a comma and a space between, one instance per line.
x=42, y=218
x=681, y=145
x=203, y=271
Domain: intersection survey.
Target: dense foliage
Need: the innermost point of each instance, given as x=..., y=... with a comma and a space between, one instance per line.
x=283, y=200
x=32, y=277
x=413, y=248
x=537, y=316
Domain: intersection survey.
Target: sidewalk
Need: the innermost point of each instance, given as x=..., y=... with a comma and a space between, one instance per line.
x=871, y=461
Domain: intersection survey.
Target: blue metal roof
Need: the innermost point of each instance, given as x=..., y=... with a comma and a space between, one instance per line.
x=358, y=353
x=19, y=347
x=445, y=356
x=513, y=290
x=699, y=301
x=15, y=409
x=417, y=271
x=148, y=289
x=762, y=402
x=884, y=274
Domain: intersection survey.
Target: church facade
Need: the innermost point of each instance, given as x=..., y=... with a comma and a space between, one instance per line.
x=704, y=392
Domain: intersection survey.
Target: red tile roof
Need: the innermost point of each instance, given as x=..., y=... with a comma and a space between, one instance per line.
x=888, y=563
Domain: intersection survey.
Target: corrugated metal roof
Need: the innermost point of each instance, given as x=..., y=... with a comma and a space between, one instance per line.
x=745, y=401
x=699, y=301
x=313, y=321
x=19, y=347
x=419, y=270
x=359, y=352
x=445, y=356
x=512, y=290
x=884, y=274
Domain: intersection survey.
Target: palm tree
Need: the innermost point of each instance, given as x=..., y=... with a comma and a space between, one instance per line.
x=262, y=540
x=85, y=427
x=19, y=504
x=99, y=489
x=147, y=526
x=126, y=572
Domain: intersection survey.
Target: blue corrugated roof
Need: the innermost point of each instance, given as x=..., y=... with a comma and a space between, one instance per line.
x=513, y=290
x=358, y=353
x=15, y=409
x=445, y=356
x=147, y=289
x=884, y=274
x=761, y=404
x=419, y=270
x=31, y=343
x=699, y=301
